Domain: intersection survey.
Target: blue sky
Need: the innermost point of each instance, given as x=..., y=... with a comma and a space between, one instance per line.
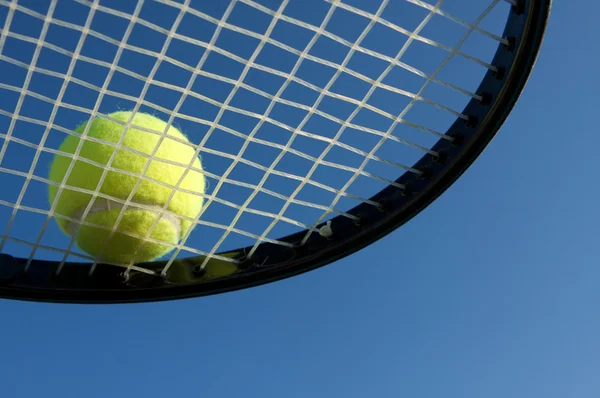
x=491, y=292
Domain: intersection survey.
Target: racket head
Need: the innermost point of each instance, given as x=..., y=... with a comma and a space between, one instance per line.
x=328, y=238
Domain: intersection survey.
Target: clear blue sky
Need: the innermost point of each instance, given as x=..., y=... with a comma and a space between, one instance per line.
x=491, y=292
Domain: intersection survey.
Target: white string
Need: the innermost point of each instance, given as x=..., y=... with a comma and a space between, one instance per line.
x=407, y=108
x=361, y=139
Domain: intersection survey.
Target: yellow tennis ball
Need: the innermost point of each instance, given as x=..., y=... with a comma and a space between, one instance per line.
x=122, y=247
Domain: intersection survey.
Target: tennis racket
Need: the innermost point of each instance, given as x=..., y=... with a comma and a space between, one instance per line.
x=322, y=125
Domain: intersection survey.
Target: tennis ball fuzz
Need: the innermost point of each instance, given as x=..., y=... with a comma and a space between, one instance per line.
x=123, y=248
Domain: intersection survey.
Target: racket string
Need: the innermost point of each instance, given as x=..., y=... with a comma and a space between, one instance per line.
x=217, y=124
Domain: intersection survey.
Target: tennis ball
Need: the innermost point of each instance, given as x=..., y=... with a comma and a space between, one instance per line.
x=123, y=248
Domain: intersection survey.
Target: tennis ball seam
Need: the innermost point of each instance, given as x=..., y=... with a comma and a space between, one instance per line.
x=102, y=204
